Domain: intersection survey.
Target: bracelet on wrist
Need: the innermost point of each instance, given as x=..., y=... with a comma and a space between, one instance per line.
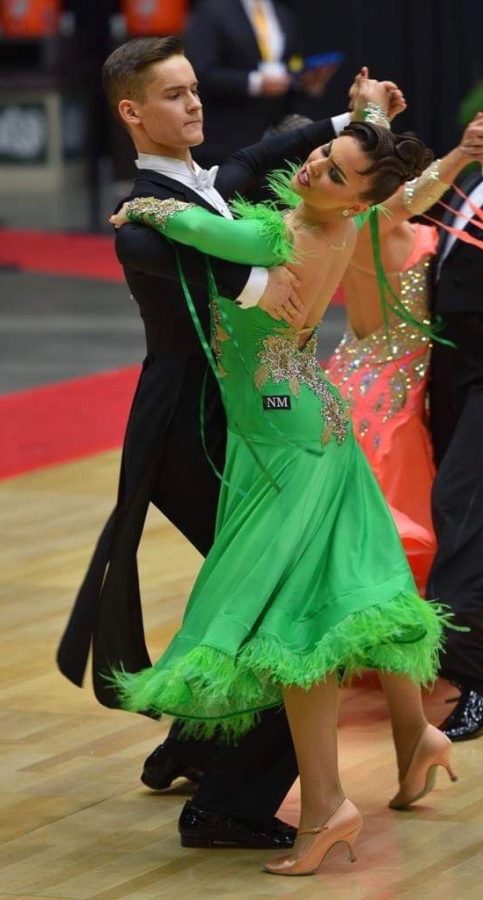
x=375, y=114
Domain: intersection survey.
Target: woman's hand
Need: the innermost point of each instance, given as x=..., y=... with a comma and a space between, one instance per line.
x=120, y=218
x=366, y=90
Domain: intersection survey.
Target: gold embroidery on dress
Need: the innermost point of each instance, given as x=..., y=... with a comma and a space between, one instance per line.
x=218, y=336
x=153, y=211
x=281, y=360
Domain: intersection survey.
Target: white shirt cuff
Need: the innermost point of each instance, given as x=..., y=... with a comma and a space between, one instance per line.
x=254, y=288
x=340, y=122
x=255, y=83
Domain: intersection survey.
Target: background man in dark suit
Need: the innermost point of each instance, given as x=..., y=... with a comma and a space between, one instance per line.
x=152, y=87
x=240, y=50
x=456, y=397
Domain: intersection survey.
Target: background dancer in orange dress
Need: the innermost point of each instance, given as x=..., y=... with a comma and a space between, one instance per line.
x=381, y=367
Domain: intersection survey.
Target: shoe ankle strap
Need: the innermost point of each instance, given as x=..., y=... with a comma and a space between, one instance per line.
x=315, y=830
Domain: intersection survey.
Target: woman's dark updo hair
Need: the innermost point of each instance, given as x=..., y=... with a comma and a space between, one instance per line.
x=396, y=158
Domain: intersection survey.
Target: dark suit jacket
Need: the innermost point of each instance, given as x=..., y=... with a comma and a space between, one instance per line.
x=457, y=298
x=221, y=45
x=163, y=458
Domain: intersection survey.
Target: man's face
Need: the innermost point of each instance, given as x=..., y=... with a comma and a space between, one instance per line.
x=170, y=114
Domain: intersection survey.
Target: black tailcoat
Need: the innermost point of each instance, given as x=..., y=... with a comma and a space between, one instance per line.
x=163, y=461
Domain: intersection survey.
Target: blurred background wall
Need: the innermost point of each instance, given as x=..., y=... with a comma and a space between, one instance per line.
x=56, y=133
x=433, y=48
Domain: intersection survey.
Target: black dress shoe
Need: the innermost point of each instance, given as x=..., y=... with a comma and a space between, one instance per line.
x=466, y=720
x=201, y=828
x=161, y=768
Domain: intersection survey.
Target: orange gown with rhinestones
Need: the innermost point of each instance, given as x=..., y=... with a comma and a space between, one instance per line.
x=384, y=379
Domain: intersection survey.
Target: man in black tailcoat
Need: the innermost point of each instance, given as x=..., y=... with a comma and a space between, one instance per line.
x=151, y=86
x=456, y=418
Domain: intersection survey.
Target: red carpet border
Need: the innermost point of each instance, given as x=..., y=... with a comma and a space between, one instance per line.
x=82, y=416
x=66, y=421
x=54, y=253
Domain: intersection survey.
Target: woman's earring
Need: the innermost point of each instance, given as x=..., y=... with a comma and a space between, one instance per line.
x=345, y=212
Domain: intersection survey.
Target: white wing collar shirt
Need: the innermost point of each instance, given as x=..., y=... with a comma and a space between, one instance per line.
x=202, y=182
x=275, y=39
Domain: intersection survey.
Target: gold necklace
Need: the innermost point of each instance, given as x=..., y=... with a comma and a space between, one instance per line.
x=343, y=246
x=310, y=226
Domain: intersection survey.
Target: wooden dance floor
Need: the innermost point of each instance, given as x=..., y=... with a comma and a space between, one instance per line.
x=75, y=820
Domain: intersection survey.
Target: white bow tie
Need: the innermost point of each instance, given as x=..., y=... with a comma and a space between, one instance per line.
x=206, y=178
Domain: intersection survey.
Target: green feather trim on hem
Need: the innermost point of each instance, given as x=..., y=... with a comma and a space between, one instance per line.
x=213, y=691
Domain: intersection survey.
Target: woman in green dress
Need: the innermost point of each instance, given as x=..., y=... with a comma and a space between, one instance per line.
x=307, y=579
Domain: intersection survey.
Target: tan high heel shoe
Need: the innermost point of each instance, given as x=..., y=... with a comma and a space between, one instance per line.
x=342, y=827
x=432, y=750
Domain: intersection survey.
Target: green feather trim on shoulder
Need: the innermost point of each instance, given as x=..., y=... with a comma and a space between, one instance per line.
x=274, y=229
x=280, y=184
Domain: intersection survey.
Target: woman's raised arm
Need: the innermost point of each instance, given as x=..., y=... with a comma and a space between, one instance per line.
x=415, y=197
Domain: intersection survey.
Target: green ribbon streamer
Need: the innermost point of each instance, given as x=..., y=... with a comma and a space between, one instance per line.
x=386, y=290
x=280, y=184
x=298, y=445
x=213, y=364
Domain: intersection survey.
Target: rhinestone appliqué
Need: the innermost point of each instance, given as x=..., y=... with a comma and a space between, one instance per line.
x=281, y=360
x=218, y=336
x=152, y=211
x=402, y=344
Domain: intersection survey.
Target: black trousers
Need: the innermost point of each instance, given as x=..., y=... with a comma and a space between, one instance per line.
x=456, y=577
x=248, y=779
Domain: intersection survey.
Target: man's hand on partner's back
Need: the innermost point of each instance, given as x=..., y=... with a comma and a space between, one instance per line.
x=281, y=300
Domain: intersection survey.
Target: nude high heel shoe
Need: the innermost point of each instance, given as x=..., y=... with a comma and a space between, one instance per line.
x=432, y=750
x=342, y=827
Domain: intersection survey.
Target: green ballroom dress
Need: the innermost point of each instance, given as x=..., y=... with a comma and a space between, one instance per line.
x=307, y=575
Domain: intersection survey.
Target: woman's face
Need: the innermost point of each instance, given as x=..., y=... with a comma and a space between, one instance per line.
x=330, y=178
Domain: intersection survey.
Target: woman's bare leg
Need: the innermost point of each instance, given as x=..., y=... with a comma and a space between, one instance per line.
x=408, y=719
x=312, y=717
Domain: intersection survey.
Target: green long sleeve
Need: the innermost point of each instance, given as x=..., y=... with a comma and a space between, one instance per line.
x=257, y=239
